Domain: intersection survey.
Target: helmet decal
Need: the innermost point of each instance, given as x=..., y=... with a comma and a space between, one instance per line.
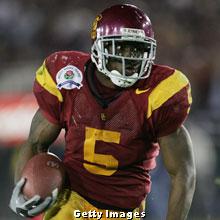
x=94, y=26
x=138, y=33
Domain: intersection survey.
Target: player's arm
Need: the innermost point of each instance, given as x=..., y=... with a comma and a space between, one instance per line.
x=42, y=134
x=177, y=154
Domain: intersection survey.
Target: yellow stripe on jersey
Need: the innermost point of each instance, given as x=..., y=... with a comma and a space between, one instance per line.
x=44, y=78
x=165, y=90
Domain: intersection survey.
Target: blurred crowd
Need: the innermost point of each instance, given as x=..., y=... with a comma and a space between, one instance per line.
x=187, y=32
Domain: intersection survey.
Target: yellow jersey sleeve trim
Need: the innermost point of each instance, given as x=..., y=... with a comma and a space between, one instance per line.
x=45, y=80
x=165, y=90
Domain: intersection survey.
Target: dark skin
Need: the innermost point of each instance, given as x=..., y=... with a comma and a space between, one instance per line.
x=177, y=153
x=42, y=135
x=133, y=49
x=176, y=150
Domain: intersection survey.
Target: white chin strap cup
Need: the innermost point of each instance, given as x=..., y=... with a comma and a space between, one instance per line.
x=121, y=81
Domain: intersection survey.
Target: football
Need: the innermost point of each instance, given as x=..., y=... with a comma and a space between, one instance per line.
x=43, y=173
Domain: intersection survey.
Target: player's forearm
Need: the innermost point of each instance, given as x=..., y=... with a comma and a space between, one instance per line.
x=177, y=152
x=42, y=135
x=26, y=151
x=181, y=194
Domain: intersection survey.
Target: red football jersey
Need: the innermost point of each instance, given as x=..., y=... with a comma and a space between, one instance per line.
x=110, y=149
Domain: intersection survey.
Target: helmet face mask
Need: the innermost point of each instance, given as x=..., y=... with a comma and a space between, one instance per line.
x=129, y=49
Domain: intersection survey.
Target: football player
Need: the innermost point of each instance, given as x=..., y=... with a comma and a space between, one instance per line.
x=118, y=110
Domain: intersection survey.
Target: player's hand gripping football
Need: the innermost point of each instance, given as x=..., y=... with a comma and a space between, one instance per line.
x=33, y=206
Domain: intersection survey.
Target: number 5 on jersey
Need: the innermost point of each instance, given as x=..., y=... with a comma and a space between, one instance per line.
x=101, y=164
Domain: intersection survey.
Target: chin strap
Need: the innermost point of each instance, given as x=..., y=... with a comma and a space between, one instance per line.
x=120, y=81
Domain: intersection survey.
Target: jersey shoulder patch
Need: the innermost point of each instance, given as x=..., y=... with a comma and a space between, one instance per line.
x=62, y=70
x=69, y=77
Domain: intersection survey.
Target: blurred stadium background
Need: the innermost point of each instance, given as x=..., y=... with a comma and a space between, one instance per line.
x=187, y=32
